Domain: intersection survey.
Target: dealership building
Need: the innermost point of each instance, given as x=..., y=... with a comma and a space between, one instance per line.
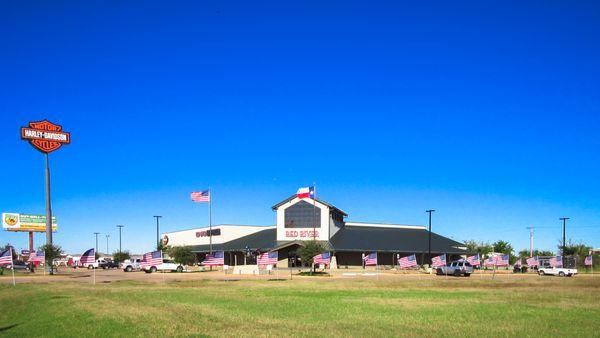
x=299, y=220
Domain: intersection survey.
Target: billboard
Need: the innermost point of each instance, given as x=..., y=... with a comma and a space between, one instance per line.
x=23, y=222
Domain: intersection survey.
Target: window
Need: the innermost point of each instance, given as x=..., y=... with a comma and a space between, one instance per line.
x=302, y=215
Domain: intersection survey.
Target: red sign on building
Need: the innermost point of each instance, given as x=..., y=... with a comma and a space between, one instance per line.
x=45, y=136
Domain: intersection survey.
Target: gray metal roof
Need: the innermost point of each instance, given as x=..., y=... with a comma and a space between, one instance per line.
x=353, y=238
x=357, y=238
x=331, y=206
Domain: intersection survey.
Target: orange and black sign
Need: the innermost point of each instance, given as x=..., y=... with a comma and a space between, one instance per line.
x=45, y=136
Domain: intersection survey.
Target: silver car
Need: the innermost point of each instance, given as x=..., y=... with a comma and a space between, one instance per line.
x=456, y=268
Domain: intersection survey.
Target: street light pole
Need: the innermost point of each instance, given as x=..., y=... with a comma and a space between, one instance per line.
x=564, y=219
x=157, y=234
x=107, y=251
x=429, y=246
x=120, y=227
x=96, y=233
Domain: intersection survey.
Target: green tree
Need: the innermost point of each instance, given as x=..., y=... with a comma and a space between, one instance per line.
x=182, y=255
x=574, y=249
x=309, y=250
x=52, y=252
x=481, y=248
x=121, y=256
x=503, y=247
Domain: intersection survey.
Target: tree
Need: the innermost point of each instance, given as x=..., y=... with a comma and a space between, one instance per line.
x=162, y=247
x=182, y=255
x=14, y=253
x=310, y=250
x=503, y=247
x=121, y=256
x=52, y=252
x=573, y=249
x=481, y=248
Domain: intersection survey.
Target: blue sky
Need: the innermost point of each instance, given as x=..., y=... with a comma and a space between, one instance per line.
x=487, y=112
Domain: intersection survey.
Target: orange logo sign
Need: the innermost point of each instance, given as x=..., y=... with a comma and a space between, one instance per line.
x=45, y=136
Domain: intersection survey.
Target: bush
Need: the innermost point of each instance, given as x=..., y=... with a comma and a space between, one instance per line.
x=310, y=250
x=182, y=255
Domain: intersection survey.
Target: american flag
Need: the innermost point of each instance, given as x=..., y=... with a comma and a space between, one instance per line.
x=588, y=260
x=438, y=261
x=37, y=256
x=6, y=257
x=322, y=258
x=88, y=257
x=519, y=262
x=217, y=258
x=532, y=261
x=152, y=259
x=267, y=258
x=474, y=260
x=408, y=261
x=370, y=259
x=200, y=196
x=502, y=260
x=556, y=262
x=491, y=261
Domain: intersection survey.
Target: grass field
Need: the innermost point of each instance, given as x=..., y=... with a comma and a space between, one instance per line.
x=309, y=307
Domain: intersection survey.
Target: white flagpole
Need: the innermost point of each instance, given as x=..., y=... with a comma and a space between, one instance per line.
x=94, y=272
x=377, y=265
x=163, y=262
x=314, y=210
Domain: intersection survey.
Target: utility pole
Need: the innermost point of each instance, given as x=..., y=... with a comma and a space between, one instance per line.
x=429, y=246
x=96, y=233
x=107, y=251
x=157, y=233
x=564, y=219
x=120, y=227
x=530, y=241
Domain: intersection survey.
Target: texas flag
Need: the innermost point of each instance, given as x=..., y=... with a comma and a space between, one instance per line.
x=306, y=192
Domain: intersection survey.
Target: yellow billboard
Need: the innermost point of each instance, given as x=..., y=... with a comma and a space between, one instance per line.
x=24, y=222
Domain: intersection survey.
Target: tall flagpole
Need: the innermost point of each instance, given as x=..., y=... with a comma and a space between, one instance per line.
x=314, y=210
x=210, y=220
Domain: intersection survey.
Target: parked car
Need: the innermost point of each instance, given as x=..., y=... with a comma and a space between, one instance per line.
x=98, y=263
x=167, y=265
x=18, y=265
x=109, y=264
x=562, y=272
x=131, y=265
x=456, y=268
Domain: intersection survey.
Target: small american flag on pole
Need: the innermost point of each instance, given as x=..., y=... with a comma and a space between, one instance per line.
x=370, y=259
x=6, y=257
x=556, y=262
x=408, y=261
x=519, y=262
x=200, y=196
x=502, y=260
x=588, y=260
x=322, y=258
x=491, y=261
x=216, y=258
x=88, y=257
x=474, y=260
x=438, y=261
x=267, y=258
x=532, y=261
x=37, y=256
x=153, y=258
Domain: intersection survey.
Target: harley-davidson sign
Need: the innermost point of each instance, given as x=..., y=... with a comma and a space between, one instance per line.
x=45, y=136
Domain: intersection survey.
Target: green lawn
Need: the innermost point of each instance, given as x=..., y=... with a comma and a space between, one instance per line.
x=317, y=307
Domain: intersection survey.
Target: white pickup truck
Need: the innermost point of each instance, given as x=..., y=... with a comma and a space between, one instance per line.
x=167, y=265
x=562, y=272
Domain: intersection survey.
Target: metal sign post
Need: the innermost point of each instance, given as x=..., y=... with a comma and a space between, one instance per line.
x=46, y=137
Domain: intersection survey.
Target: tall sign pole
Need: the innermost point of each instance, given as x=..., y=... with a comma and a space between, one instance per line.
x=429, y=240
x=157, y=232
x=210, y=221
x=564, y=244
x=120, y=227
x=46, y=137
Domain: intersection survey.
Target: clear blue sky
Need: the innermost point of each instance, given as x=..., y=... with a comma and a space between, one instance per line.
x=488, y=112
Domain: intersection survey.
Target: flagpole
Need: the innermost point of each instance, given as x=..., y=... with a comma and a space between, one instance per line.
x=12, y=263
x=163, y=262
x=314, y=210
x=94, y=272
x=210, y=220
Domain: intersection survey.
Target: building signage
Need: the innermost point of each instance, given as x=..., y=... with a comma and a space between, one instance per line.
x=23, y=222
x=206, y=233
x=45, y=136
x=301, y=233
